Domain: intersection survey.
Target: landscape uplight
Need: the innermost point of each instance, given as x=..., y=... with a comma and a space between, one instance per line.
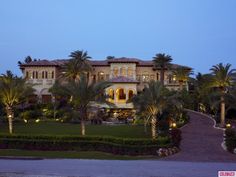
x=228, y=125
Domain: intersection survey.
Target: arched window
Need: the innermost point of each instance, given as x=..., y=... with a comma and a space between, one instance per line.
x=158, y=76
x=115, y=72
x=36, y=74
x=52, y=74
x=123, y=71
x=121, y=94
x=111, y=94
x=101, y=76
x=33, y=74
x=131, y=94
x=27, y=75
x=42, y=74
x=46, y=74
x=130, y=72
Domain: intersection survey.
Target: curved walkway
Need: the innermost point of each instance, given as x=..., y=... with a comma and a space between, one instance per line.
x=201, y=142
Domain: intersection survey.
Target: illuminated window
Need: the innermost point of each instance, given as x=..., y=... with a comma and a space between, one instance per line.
x=111, y=94
x=101, y=76
x=115, y=72
x=121, y=94
x=138, y=77
x=130, y=72
x=151, y=77
x=122, y=71
x=131, y=94
x=145, y=77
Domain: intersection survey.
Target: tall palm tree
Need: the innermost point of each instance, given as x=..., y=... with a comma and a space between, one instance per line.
x=222, y=80
x=182, y=75
x=83, y=94
x=77, y=65
x=163, y=62
x=14, y=90
x=151, y=102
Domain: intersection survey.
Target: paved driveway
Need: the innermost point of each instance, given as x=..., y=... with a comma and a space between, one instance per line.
x=201, y=142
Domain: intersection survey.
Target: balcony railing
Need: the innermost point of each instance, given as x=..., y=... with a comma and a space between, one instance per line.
x=41, y=81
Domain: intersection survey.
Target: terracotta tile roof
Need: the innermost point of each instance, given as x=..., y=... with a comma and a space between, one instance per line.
x=122, y=79
x=61, y=62
x=123, y=60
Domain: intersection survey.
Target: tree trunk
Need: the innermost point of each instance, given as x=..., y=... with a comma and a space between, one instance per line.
x=222, y=111
x=145, y=125
x=154, y=131
x=10, y=118
x=82, y=119
x=181, y=85
x=162, y=76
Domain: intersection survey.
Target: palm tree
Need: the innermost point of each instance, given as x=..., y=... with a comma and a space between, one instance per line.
x=182, y=75
x=83, y=94
x=77, y=65
x=28, y=59
x=14, y=90
x=222, y=80
x=163, y=62
x=151, y=102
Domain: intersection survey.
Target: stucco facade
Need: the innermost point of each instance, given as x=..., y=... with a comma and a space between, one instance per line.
x=127, y=75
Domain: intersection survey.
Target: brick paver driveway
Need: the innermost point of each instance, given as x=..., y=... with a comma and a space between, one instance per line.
x=201, y=142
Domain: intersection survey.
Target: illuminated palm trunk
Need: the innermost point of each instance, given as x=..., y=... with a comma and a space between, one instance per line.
x=10, y=118
x=154, y=123
x=222, y=111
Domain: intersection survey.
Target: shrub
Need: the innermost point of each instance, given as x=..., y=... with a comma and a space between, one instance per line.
x=85, y=143
x=176, y=138
x=230, y=139
x=31, y=114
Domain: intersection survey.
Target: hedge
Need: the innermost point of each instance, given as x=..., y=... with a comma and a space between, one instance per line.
x=123, y=146
x=230, y=139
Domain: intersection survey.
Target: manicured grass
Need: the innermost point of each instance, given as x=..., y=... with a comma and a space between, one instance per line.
x=70, y=155
x=57, y=128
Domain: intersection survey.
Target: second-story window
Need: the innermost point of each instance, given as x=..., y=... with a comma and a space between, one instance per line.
x=130, y=72
x=52, y=75
x=101, y=76
x=123, y=71
x=46, y=74
x=27, y=74
x=42, y=74
x=115, y=72
x=36, y=74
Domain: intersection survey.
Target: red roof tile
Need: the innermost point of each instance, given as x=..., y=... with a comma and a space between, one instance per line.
x=61, y=62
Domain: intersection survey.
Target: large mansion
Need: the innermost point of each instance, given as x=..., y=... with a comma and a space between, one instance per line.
x=127, y=75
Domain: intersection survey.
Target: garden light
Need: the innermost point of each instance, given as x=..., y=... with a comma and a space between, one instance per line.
x=25, y=120
x=174, y=125
x=228, y=125
x=37, y=120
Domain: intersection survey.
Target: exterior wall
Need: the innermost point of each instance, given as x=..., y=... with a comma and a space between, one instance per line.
x=123, y=69
x=143, y=74
x=40, y=81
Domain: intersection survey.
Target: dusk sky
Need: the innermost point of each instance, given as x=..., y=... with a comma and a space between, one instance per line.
x=196, y=33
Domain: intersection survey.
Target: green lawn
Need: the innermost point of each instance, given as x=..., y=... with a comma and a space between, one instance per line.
x=56, y=128
x=70, y=155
